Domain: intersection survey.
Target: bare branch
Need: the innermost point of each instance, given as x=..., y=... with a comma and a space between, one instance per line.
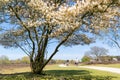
x=36, y=34
x=29, y=33
x=28, y=43
x=115, y=42
x=58, y=46
x=23, y=49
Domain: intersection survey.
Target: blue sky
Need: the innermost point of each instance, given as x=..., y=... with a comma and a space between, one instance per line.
x=64, y=52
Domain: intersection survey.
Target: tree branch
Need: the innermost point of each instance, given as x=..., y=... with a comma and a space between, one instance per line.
x=26, y=52
x=58, y=46
x=36, y=35
x=29, y=33
x=115, y=42
x=41, y=38
x=28, y=44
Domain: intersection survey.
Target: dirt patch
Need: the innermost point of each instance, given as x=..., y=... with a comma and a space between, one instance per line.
x=11, y=66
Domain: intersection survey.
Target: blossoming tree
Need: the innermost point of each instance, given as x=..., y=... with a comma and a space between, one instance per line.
x=35, y=23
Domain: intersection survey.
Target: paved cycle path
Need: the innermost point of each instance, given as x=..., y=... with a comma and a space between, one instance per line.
x=109, y=69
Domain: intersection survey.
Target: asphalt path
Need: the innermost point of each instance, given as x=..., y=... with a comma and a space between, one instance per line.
x=109, y=69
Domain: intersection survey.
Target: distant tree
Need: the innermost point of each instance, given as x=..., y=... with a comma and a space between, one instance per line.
x=4, y=60
x=17, y=61
x=25, y=59
x=86, y=59
x=37, y=23
x=97, y=52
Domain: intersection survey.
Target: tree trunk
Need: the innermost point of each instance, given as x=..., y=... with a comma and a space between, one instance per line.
x=37, y=65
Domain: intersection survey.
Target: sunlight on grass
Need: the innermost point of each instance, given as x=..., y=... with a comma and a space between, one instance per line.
x=54, y=72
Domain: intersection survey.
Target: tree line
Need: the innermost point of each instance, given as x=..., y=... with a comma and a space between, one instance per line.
x=25, y=60
x=99, y=55
x=5, y=60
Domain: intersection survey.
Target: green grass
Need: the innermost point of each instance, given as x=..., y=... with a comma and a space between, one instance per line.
x=53, y=72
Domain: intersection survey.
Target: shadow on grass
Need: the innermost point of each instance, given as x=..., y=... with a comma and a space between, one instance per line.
x=55, y=75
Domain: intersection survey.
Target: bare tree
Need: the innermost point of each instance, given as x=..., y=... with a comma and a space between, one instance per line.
x=96, y=53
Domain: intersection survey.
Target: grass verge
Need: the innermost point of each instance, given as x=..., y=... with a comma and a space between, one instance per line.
x=53, y=72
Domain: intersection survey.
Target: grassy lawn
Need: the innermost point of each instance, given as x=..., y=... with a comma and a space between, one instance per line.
x=109, y=65
x=53, y=72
